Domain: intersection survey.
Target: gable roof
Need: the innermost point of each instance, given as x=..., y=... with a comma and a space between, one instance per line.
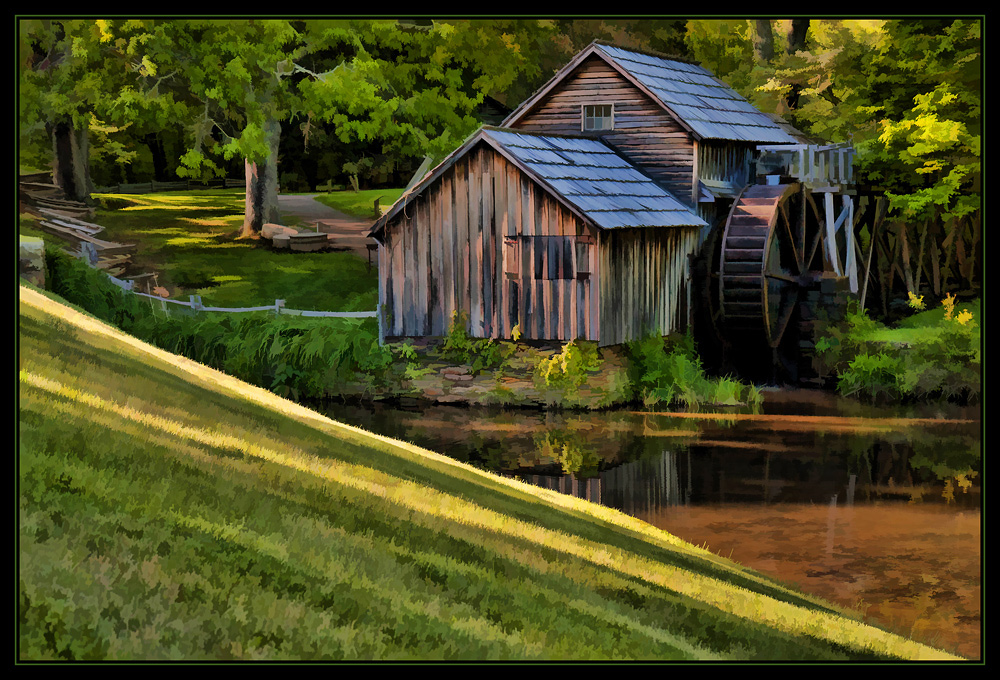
x=586, y=175
x=702, y=103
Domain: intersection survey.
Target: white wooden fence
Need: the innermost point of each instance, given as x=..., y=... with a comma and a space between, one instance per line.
x=194, y=304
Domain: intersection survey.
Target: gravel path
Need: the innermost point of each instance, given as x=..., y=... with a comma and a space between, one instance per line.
x=350, y=233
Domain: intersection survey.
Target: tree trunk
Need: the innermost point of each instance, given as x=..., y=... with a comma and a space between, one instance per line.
x=155, y=143
x=935, y=268
x=976, y=221
x=797, y=35
x=907, y=276
x=796, y=42
x=70, y=161
x=920, y=255
x=262, y=186
x=763, y=41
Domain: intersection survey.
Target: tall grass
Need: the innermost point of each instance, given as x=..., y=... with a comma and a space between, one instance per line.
x=669, y=371
x=296, y=357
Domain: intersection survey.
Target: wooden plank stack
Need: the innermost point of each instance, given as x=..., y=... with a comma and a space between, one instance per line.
x=34, y=196
x=81, y=236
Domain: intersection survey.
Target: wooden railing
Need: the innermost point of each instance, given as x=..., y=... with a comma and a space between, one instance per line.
x=831, y=164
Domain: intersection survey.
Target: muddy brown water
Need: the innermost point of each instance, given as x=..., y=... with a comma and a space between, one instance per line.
x=876, y=509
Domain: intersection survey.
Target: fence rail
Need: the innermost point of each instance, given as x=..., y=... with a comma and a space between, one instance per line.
x=186, y=185
x=194, y=303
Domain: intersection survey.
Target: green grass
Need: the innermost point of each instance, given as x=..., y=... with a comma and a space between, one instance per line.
x=167, y=511
x=360, y=204
x=924, y=357
x=190, y=238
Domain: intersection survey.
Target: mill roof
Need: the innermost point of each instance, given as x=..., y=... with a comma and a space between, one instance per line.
x=691, y=93
x=585, y=174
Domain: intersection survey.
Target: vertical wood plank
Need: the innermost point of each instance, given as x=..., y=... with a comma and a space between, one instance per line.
x=499, y=231
x=436, y=275
x=540, y=308
x=398, y=280
x=695, y=174
x=410, y=265
x=550, y=319
x=462, y=295
x=448, y=246
x=486, y=242
x=514, y=304
x=526, y=282
x=574, y=287
x=599, y=289
x=831, y=243
x=476, y=242
x=850, y=264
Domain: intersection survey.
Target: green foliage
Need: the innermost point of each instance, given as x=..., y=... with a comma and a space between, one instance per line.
x=91, y=290
x=571, y=366
x=569, y=448
x=930, y=356
x=296, y=357
x=669, y=371
x=480, y=354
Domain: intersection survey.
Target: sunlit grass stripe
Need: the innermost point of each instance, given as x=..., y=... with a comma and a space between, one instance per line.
x=230, y=387
x=239, y=533
x=577, y=604
x=432, y=503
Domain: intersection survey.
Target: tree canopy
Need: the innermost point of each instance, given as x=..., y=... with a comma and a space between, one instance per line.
x=328, y=99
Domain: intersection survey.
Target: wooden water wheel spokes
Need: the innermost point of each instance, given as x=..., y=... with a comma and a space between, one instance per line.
x=790, y=260
x=769, y=253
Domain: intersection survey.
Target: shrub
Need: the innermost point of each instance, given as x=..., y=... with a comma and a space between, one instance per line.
x=571, y=366
x=669, y=370
x=91, y=289
x=480, y=354
x=934, y=354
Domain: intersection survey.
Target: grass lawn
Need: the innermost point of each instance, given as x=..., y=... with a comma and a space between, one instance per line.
x=360, y=204
x=190, y=238
x=925, y=325
x=168, y=511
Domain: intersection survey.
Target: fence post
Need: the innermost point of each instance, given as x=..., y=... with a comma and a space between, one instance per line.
x=196, y=302
x=381, y=324
x=278, y=304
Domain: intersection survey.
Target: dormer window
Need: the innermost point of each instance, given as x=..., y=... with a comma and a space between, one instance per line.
x=598, y=117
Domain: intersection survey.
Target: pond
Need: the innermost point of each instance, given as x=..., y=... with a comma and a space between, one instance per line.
x=876, y=509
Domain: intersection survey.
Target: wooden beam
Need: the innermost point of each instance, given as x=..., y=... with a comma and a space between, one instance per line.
x=850, y=261
x=831, y=243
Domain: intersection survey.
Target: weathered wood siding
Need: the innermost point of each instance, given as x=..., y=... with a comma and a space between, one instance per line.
x=447, y=251
x=726, y=161
x=643, y=132
x=645, y=282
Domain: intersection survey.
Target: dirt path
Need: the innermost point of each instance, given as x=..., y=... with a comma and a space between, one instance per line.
x=350, y=233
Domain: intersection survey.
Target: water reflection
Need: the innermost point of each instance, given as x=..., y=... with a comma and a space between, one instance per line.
x=875, y=509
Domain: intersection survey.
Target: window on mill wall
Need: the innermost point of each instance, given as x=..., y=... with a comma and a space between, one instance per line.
x=598, y=117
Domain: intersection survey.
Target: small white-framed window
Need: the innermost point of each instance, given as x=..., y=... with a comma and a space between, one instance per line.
x=598, y=117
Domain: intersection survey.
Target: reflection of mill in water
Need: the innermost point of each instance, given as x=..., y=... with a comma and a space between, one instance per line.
x=645, y=484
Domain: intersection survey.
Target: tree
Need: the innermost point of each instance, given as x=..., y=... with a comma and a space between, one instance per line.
x=63, y=72
x=94, y=87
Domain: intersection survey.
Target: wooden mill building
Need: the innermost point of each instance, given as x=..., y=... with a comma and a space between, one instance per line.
x=577, y=216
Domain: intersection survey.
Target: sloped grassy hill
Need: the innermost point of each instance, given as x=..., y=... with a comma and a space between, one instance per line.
x=168, y=511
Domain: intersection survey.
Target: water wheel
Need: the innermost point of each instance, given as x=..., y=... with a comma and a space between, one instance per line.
x=775, y=265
